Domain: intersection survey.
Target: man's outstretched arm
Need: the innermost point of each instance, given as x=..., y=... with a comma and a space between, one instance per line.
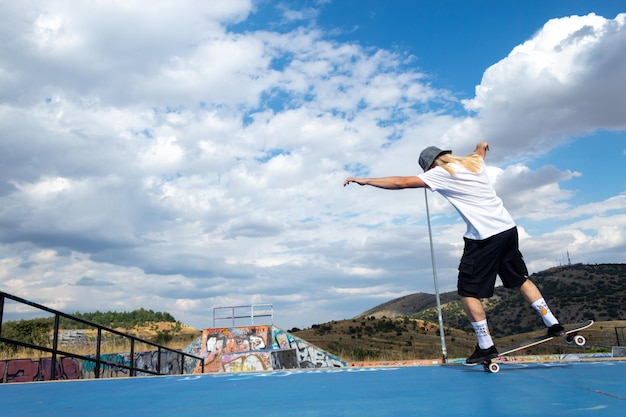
x=388, y=183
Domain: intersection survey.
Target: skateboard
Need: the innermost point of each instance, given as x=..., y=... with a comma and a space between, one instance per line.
x=570, y=336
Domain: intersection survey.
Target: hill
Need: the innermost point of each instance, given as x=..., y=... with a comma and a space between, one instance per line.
x=406, y=328
x=408, y=305
x=574, y=292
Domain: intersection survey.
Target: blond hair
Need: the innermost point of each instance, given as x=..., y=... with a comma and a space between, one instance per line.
x=472, y=162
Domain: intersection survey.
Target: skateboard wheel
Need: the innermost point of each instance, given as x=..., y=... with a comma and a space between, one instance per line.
x=568, y=338
x=580, y=340
x=493, y=368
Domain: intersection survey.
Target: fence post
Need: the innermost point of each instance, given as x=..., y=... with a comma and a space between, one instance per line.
x=98, y=341
x=1, y=311
x=159, y=360
x=55, y=346
x=132, y=357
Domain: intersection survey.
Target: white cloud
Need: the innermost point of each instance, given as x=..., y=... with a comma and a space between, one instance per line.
x=534, y=194
x=165, y=152
x=566, y=81
x=44, y=188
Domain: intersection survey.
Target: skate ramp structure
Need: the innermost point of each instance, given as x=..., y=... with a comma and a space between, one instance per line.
x=258, y=348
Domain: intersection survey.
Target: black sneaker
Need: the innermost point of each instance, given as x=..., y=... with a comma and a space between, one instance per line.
x=556, y=330
x=482, y=355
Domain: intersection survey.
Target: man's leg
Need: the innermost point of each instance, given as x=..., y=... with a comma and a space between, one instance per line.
x=533, y=296
x=473, y=309
x=530, y=292
x=485, y=349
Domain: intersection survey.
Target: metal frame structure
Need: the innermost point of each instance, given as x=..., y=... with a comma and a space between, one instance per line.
x=235, y=313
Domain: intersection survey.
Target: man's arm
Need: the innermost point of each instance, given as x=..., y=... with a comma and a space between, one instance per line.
x=481, y=149
x=389, y=183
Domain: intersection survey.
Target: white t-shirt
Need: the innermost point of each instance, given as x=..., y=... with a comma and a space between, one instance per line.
x=474, y=198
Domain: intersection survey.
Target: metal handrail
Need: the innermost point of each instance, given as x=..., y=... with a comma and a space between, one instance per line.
x=249, y=315
x=55, y=351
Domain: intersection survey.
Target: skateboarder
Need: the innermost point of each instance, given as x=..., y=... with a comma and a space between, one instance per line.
x=491, y=239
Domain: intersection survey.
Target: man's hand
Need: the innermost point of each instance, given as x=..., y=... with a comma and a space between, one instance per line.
x=481, y=149
x=355, y=180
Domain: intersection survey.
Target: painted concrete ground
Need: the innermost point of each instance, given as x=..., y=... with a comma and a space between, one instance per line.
x=556, y=389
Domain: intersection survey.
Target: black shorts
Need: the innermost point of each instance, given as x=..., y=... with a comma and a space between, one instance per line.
x=484, y=259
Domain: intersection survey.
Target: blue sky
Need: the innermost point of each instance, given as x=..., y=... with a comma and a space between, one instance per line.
x=191, y=155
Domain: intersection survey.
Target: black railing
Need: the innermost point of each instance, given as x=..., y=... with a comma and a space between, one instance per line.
x=99, y=362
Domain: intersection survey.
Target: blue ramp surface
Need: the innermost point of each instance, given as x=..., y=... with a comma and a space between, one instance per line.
x=558, y=389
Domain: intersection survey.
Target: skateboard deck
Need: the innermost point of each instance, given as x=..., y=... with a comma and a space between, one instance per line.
x=570, y=336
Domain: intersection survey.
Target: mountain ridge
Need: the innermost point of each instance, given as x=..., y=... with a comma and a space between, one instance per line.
x=574, y=293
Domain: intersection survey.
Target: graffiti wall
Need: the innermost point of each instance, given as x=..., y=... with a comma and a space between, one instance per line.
x=194, y=348
x=147, y=361
x=234, y=349
x=307, y=355
x=260, y=348
x=28, y=370
x=247, y=362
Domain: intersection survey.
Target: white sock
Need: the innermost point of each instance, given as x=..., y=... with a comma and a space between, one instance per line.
x=544, y=311
x=482, y=334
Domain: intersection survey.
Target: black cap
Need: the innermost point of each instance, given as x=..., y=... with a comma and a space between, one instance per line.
x=428, y=156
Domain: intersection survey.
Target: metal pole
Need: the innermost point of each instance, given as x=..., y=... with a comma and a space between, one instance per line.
x=432, y=257
x=55, y=346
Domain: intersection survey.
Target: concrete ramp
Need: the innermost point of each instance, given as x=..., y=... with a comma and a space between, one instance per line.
x=258, y=348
